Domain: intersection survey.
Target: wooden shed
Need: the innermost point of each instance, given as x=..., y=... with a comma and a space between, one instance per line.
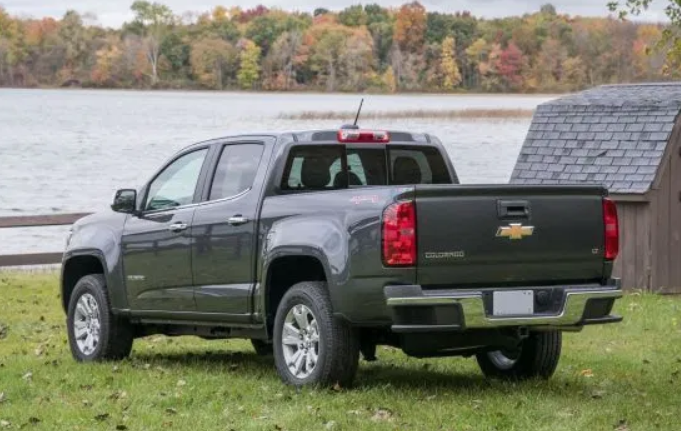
x=628, y=138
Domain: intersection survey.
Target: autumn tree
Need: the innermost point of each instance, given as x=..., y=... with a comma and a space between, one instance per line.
x=213, y=61
x=279, y=65
x=450, y=70
x=510, y=66
x=108, y=63
x=154, y=21
x=410, y=27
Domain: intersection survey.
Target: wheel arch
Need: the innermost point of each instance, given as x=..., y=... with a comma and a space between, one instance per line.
x=285, y=271
x=77, y=265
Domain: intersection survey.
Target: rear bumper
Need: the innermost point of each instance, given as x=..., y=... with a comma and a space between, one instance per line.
x=571, y=307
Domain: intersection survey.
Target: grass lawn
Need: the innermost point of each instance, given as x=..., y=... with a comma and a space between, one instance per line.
x=614, y=377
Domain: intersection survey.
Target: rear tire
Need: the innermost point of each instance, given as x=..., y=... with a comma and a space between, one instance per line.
x=538, y=356
x=311, y=346
x=94, y=332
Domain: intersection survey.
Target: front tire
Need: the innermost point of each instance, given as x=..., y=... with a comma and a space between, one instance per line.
x=311, y=346
x=537, y=357
x=96, y=334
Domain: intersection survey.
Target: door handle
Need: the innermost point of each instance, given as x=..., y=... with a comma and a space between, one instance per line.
x=237, y=220
x=177, y=227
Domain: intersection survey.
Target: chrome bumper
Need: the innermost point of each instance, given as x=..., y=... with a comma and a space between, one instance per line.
x=470, y=306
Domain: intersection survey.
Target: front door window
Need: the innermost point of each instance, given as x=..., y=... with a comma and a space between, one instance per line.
x=176, y=184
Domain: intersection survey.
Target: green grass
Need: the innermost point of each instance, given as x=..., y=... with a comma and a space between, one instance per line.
x=616, y=377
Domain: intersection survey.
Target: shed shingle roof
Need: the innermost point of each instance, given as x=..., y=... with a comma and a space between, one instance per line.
x=614, y=135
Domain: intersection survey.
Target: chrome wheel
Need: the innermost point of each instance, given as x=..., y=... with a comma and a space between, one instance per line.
x=502, y=359
x=87, y=324
x=300, y=341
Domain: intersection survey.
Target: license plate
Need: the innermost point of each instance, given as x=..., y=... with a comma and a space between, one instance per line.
x=513, y=303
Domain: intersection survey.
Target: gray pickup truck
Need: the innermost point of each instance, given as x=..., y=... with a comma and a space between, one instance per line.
x=321, y=245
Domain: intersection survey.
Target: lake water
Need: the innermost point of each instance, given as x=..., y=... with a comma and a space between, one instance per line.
x=69, y=150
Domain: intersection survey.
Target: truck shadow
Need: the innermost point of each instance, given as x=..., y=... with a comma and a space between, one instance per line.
x=375, y=375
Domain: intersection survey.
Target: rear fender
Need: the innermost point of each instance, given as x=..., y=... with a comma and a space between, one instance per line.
x=321, y=239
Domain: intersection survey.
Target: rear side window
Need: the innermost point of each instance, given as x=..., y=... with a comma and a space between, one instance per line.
x=236, y=170
x=338, y=167
x=313, y=167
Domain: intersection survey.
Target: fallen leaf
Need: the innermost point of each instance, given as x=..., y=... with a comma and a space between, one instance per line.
x=121, y=427
x=354, y=412
x=118, y=395
x=382, y=415
x=38, y=351
x=337, y=387
x=102, y=417
x=330, y=425
x=171, y=411
x=5, y=424
x=586, y=373
x=181, y=383
x=28, y=376
x=115, y=369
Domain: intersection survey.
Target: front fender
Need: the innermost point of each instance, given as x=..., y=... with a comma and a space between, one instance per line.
x=100, y=237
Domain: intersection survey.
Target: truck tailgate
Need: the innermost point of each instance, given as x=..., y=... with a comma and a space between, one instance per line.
x=470, y=236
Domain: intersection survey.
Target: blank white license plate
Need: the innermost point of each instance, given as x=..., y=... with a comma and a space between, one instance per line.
x=513, y=303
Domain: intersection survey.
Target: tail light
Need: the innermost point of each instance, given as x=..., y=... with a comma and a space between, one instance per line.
x=399, y=234
x=612, y=232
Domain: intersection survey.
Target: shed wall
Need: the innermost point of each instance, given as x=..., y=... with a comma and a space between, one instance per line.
x=666, y=221
x=633, y=262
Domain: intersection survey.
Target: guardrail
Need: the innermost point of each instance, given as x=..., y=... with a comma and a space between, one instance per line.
x=35, y=221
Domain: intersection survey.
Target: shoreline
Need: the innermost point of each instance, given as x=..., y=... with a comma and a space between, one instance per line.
x=292, y=92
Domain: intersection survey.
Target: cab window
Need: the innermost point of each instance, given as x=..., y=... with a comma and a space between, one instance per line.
x=236, y=170
x=176, y=184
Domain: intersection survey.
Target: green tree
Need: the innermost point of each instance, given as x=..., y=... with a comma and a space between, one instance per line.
x=154, y=20
x=451, y=77
x=265, y=29
x=353, y=16
x=249, y=64
x=74, y=39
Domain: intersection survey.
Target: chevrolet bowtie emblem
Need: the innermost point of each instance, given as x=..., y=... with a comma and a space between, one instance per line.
x=515, y=231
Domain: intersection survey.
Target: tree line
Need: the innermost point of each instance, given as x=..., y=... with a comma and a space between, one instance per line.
x=360, y=48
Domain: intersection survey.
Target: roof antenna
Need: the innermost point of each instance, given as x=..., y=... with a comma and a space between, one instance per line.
x=359, y=111
x=354, y=125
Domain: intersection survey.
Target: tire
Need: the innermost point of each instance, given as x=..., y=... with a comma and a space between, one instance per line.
x=113, y=338
x=336, y=348
x=537, y=357
x=262, y=348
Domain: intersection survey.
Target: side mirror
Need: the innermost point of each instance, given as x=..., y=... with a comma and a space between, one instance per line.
x=125, y=201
